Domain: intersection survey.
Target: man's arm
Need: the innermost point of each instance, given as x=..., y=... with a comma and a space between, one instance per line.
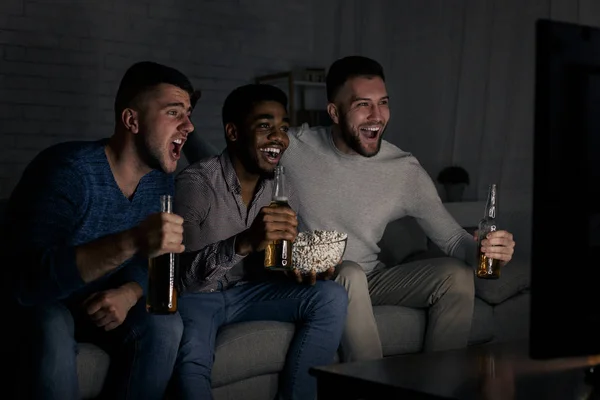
x=437, y=223
x=43, y=212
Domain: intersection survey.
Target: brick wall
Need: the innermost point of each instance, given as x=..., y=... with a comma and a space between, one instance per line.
x=61, y=61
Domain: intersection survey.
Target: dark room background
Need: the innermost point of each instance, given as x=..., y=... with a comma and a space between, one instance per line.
x=459, y=72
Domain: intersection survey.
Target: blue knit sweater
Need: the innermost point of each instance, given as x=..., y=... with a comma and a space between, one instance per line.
x=66, y=197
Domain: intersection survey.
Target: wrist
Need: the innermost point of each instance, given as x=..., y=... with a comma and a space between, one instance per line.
x=127, y=242
x=133, y=291
x=242, y=245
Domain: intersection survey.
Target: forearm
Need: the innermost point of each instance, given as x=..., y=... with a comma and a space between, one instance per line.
x=97, y=258
x=208, y=265
x=133, y=290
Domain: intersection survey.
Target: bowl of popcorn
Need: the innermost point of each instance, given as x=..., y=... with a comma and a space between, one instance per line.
x=318, y=250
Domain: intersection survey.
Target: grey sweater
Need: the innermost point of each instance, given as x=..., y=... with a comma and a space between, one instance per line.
x=360, y=195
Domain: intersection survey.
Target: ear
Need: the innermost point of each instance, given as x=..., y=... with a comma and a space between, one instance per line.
x=231, y=132
x=332, y=110
x=130, y=119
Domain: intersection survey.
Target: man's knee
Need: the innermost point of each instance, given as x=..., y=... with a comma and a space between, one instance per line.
x=351, y=276
x=332, y=294
x=166, y=329
x=456, y=276
x=51, y=325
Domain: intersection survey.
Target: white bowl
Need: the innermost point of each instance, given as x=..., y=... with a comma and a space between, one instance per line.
x=318, y=250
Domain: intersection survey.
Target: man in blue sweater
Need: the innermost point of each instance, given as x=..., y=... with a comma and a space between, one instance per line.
x=80, y=227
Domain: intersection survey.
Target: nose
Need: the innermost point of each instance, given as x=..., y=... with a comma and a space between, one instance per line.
x=375, y=113
x=187, y=126
x=279, y=135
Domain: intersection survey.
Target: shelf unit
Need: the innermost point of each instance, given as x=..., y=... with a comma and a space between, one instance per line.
x=305, y=89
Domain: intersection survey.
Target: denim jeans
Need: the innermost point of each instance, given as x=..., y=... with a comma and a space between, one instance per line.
x=143, y=351
x=318, y=311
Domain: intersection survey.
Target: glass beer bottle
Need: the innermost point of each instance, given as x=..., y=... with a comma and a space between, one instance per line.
x=488, y=268
x=278, y=254
x=162, y=270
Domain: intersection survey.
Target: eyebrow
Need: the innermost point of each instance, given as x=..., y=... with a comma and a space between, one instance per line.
x=368, y=99
x=176, y=104
x=269, y=116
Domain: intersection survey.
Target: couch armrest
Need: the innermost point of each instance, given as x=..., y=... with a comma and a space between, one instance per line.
x=515, y=278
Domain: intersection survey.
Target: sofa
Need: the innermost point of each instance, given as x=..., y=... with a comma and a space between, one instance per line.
x=249, y=356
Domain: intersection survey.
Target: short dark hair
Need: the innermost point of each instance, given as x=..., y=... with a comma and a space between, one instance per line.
x=350, y=67
x=240, y=102
x=143, y=76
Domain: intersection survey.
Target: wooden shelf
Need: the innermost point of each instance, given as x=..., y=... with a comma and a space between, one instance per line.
x=300, y=86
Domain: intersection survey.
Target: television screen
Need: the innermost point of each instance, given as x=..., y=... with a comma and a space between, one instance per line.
x=565, y=276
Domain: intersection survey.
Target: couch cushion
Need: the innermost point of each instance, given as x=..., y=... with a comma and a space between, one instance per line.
x=400, y=329
x=256, y=388
x=511, y=318
x=482, y=327
x=92, y=366
x=515, y=278
x=248, y=349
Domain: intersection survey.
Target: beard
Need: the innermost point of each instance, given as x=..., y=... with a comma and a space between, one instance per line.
x=352, y=138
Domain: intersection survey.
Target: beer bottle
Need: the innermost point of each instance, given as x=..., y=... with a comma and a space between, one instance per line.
x=278, y=254
x=488, y=268
x=162, y=270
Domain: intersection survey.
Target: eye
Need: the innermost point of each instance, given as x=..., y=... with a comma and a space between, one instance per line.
x=363, y=104
x=172, y=113
x=263, y=125
x=286, y=129
x=384, y=102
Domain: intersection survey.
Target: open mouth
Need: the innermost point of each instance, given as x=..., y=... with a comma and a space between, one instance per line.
x=176, y=146
x=271, y=154
x=370, y=132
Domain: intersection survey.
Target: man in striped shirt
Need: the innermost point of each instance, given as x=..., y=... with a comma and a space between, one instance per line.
x=224, y=201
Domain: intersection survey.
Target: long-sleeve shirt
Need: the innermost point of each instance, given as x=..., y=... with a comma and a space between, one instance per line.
x=361, y=195
x=209, y=198
x=67, y=197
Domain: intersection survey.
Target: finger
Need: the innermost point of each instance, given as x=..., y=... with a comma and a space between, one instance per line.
x=500, y=234
x=312, y=277
x=279, y=211
x=106, y=319
x=171, y=218
x=298, y=275
x=280, y=217
x=328, y=274
x=498, y=241
x=112, y=325
x=498, y=255
x=88, y=300
x=98, y=315
x=93, y=306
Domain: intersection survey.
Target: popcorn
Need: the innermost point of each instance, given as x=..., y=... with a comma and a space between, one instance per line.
x=318, y=250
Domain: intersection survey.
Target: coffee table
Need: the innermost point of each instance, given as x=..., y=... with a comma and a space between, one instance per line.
x=496, y=371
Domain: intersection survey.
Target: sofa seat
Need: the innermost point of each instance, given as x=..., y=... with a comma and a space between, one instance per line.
x=251, y=354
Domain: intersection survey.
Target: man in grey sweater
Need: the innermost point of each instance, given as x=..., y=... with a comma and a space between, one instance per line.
x=349, y=179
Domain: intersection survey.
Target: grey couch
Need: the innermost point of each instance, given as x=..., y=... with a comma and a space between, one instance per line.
x=249, y=356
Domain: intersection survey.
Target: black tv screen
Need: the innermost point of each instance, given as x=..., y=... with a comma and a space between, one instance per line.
x=565, y=280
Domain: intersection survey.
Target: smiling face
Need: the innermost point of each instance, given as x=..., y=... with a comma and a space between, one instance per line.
x=361, y=113
x=163, y=126
x=261, y=139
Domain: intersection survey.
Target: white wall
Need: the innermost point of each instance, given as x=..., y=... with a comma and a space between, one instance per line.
x=460, y=72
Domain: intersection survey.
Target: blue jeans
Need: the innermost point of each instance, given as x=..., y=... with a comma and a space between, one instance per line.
x=318, y=311
x=143, y=351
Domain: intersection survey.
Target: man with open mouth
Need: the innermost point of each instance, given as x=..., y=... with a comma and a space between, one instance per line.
x=224, y=201
x=81, y=225
x=350, y=179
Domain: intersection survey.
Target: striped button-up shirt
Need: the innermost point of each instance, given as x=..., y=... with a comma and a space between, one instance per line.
x=209, y=198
